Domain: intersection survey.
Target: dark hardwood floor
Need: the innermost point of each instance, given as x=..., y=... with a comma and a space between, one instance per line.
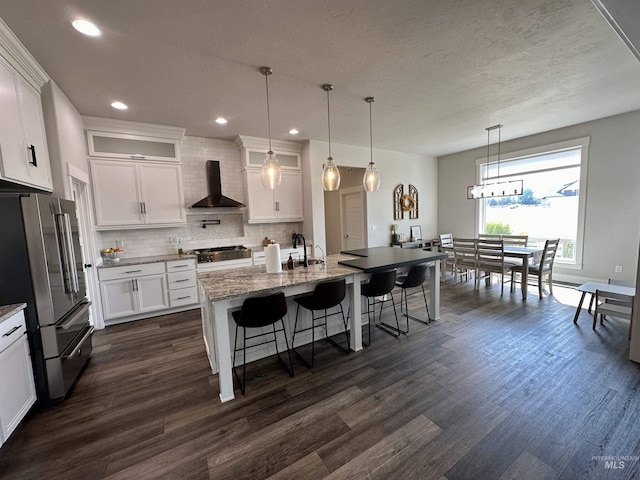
x=497, y=388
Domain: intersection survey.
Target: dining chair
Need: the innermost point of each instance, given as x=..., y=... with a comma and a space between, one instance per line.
x=614, y=304
x=464, y=257
x=258, y=312
x=515, y=240
x=446, y=245
x=325, y=295
x=489, y=236
x=542, y=269
x=490, y=260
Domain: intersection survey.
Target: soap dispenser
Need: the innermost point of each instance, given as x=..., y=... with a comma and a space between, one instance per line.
x=290, y=263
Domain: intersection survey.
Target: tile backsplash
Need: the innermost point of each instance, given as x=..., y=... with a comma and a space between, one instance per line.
x=232, y=230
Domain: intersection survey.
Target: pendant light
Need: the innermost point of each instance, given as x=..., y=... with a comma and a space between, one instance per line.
x=271, y=175
x=498, y=188
x=330, y=172
x=371, y=179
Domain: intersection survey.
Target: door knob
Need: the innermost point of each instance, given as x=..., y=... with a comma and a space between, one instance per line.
x=87, y=265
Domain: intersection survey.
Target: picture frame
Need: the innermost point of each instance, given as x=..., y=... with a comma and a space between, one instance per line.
x=416, y=233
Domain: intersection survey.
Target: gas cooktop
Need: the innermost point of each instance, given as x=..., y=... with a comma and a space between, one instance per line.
x=217, y=254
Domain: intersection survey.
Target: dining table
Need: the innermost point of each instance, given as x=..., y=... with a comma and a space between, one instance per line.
x=591, y=287
x=523, y=253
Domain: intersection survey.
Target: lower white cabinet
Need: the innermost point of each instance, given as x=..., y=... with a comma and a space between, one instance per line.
x=182, y=283
x=17, y=388
x=139, y=291
x=133, y=290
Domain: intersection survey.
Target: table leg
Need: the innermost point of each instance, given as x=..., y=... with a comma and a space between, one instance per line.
x=575, y=318
x=223, y=350
x=525, y=277
x=434, y=290
x=355, y=320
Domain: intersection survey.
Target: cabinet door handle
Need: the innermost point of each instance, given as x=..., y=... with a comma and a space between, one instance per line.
x=144, y=208
x=179, y=266
x=134, y=284
x=8, y=334
x=182, y=280
x=34, y=160
x=183, y=298
x=133, y=271
x=137, y=157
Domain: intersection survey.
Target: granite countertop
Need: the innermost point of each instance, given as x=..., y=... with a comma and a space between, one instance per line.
x=8, y=311
x=151, y=259
x=236, y=282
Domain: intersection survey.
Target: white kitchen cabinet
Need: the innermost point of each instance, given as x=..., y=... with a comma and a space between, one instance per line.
x=284, y=204
x=17, y=387
x=130, y=194
x=131, y=290
x=182, y=282
x=120, y=139
x=24, y=158
x=135, y=147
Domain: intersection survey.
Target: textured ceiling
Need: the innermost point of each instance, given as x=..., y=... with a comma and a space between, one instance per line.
x=441, y=71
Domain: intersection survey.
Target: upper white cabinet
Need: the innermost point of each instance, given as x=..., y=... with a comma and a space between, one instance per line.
x=115, y=145
x=136, y=174
x=24, y=158
x=108, y=138
x=135, y=195
x=283, y=204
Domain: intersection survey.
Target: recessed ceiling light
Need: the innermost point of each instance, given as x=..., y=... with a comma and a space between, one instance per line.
x=293, y=131
x=86, y=27
x=221, y=121
x=119, y=106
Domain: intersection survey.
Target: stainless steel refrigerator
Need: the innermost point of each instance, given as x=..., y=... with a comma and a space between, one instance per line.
x=41, y=265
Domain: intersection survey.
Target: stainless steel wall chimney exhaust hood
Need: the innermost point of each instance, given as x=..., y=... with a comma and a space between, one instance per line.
x=215, y=198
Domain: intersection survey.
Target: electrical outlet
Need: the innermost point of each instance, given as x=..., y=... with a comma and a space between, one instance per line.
x=119, y=244
x=373, y=228
x=173, y=240
x=618, y=269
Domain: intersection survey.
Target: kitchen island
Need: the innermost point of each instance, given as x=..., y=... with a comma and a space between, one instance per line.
x=222, y=292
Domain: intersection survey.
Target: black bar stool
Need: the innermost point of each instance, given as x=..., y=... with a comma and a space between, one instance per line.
x=325, y=295
x=257, y=312
x=415, y=278
x=380, y=284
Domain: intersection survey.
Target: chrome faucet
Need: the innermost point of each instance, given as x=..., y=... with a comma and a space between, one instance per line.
x=304, y=245
x=324, y=260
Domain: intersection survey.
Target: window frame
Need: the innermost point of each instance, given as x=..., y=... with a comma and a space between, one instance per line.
x=505, y=157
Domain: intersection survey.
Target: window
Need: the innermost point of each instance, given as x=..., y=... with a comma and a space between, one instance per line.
x=552, y=203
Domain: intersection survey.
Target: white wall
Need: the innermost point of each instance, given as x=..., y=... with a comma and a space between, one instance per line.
x=394, y=168
x=65, y=138
x=612, y=223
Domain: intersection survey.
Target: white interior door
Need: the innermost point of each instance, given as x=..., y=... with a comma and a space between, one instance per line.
x=353, y=223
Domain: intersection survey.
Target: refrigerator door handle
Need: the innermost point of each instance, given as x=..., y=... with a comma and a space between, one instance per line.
x=69, y=272
x=79, y=315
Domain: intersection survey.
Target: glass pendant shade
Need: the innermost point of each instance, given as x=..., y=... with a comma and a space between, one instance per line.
x=330, y=172
x=330, y=176
x=371, y=179
x=271, y=175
